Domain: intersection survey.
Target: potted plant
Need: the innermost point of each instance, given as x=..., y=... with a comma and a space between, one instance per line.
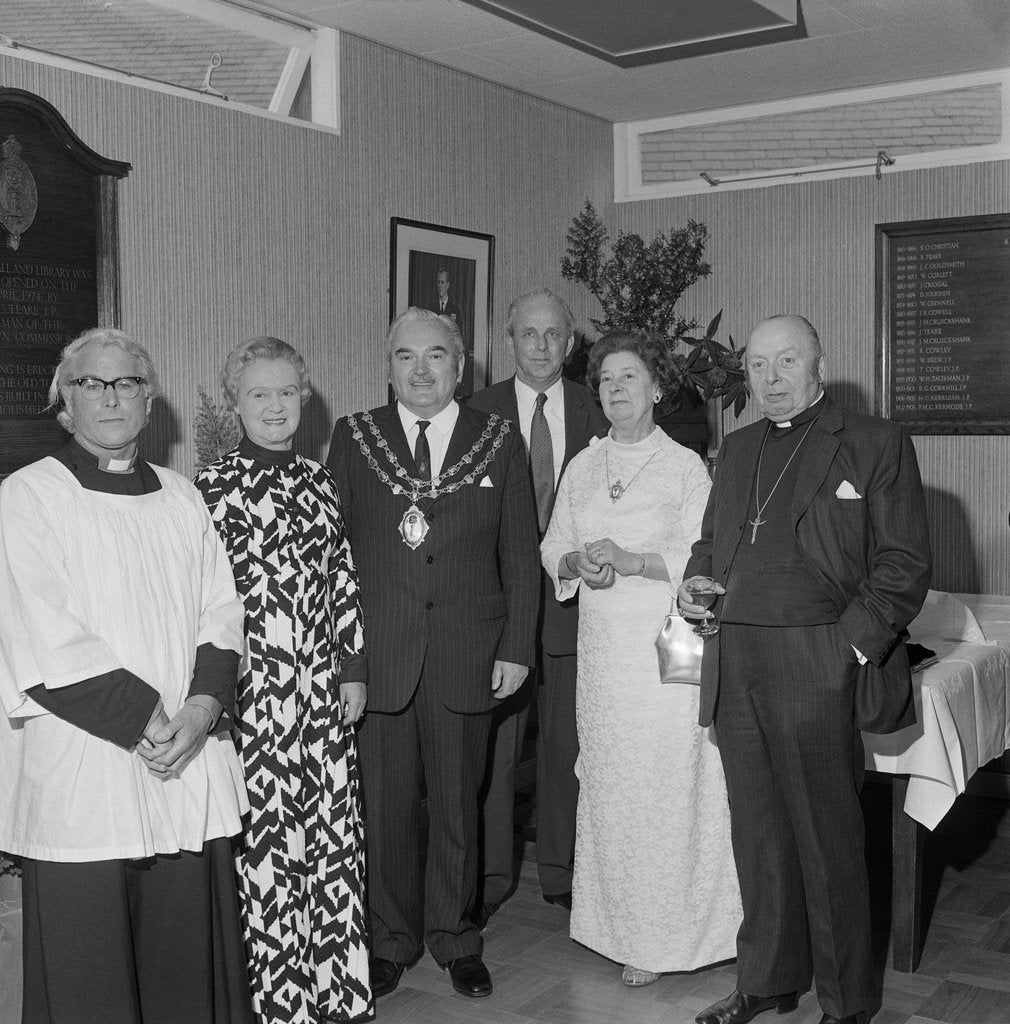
x=217, y=430
x=638, y=286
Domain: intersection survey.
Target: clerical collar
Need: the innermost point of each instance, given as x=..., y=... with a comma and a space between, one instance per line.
x=812, y=410
x=85, y=466
x=105, y=463
x=251, y=450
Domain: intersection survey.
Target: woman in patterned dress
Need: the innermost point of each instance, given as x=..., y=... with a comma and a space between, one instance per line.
x=301, y=869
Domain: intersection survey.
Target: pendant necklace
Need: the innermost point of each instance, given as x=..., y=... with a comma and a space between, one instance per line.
x=757, y=520
x=616, y=490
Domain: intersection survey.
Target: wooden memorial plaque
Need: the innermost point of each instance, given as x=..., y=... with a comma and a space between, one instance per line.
x=58, y=263
x=943, y=324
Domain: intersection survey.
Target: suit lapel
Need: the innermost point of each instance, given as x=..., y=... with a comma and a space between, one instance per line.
x=508, y=406
x=387, y=419
x=577, y=430
x=741, y=484
x=735, y=482
x=821, y=445
x=467, y=430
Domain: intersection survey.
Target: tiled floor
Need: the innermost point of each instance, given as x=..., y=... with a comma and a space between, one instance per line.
x=542, y=977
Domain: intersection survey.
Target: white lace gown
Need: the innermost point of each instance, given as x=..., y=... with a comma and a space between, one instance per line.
x=655, y=884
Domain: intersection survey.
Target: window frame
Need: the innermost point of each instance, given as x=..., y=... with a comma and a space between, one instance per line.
x=628, y=185
x=306, y=43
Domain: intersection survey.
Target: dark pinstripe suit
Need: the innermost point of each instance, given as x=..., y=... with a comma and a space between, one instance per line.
x=557, y=741
x=787, y=699
x=436, y=619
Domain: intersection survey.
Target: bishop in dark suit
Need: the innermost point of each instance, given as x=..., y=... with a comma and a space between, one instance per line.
x=557, y=418
x=438, y=507
x=816, y=536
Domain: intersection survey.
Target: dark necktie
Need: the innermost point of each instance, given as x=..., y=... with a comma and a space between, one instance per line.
x=422, y=453
x=542, y=463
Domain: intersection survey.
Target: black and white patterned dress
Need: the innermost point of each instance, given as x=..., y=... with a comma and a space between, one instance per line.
x=301, y=869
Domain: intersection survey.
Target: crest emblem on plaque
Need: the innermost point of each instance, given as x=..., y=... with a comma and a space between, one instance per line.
x=19, y=198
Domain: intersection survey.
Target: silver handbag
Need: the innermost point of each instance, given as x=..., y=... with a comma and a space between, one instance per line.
x=679, y=650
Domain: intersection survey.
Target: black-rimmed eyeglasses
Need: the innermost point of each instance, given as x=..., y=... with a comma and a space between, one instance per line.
x=92, y=388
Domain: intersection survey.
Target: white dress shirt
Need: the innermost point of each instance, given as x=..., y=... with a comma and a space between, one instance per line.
x=438, y=434
x=554, y=413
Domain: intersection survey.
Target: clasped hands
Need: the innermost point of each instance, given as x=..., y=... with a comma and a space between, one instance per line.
x=601, y=561
x=169, y=744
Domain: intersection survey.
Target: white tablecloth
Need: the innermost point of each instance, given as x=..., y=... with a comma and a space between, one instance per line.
x=992, y=612
x=963, y=721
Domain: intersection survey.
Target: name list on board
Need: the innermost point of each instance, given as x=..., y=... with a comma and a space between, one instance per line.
x=950, y=328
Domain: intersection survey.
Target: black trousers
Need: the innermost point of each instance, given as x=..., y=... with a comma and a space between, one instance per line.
x=497, y=794
x=413, y=898
x=153, y=941
x=557, y=783
x=794, y=763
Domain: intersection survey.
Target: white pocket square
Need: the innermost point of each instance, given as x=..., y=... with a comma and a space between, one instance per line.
x=486, y=482
x=846, y=490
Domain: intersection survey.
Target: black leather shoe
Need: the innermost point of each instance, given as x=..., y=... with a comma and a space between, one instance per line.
x=469, y=976
x=854, y=1018
x=739, y=1008
x=560, y=899
x=385, y=974
x=481, y=917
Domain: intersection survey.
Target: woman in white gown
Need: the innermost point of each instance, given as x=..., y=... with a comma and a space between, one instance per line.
x=655, y=886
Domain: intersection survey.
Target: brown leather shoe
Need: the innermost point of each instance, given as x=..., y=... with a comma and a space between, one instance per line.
x=469, y=976
x=739, y=1008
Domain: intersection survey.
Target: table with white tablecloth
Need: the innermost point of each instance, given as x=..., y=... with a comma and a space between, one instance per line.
x=962, y=722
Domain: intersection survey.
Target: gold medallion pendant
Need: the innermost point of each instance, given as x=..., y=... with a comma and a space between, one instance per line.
x=413, y=527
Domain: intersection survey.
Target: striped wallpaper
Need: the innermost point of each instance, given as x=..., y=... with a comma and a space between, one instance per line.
x=233, y=225
x=808, y=248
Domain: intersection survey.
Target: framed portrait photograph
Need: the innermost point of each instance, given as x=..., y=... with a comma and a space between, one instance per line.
x=452, y=273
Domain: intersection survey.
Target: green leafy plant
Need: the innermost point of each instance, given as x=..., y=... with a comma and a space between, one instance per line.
x=217, y=430
x=715, y=370
x=638, y=286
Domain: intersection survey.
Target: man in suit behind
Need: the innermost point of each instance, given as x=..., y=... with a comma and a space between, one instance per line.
x=442, y=304
x=539, y=328
x=816, y=536
x=439, y=512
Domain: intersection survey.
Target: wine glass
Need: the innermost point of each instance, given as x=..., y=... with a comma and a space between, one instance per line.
x=703, y=592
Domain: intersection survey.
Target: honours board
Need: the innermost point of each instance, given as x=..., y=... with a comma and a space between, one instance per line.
x=58, y=263
x=943, y=324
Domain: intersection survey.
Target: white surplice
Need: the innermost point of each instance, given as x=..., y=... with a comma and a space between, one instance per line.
x=91, y=582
